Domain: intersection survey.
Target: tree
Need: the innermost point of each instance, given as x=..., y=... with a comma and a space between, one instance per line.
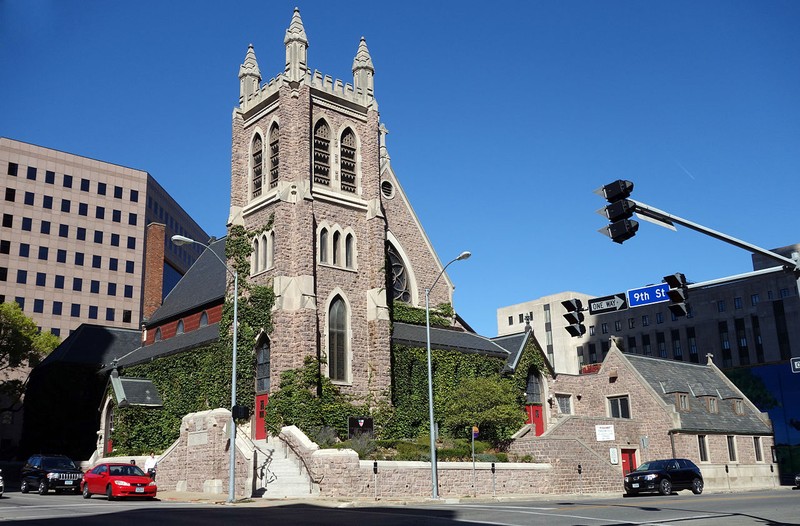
x=490, y=403
x=21, y=346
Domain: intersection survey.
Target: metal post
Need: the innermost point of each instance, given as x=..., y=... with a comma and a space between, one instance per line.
x=232, y=483
x=474, y=483
x=434, y=480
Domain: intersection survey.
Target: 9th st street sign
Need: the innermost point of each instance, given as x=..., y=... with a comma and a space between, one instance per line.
x=648, y=295
x=611, y=303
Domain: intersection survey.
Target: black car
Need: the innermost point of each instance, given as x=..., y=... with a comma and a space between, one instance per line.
x=45, y=472
x=664, y=476
x=2, y=484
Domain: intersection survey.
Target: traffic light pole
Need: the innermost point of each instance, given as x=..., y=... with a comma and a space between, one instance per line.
x=668, y=220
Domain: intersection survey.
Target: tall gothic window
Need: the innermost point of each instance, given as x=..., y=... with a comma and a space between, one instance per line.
x=262, y=366
x=348, y=161
x=337, y=340
x=258, y=165
x=322, y=144
x=323, y=246
x=348, y=251
x=336, y=248
x=256, y=264
x=271, y=251
x=533, y=389
x=398, y=275
x=274, y=150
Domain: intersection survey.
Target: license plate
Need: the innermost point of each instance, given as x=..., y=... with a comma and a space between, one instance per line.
x=68, y=483
x=635, y=485
x=139, y=490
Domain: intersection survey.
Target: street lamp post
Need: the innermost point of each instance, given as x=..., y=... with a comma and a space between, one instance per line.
x=434, y=478
x=182, y=240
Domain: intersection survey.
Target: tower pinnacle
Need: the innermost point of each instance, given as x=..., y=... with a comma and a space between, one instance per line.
x=363, y=73
x=249, y=75
x=296, y=49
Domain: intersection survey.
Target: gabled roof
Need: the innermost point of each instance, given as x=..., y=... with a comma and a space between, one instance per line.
x=176, y=344
x=446, y=339
x=515, y=345
x=93, y=345
x=700, y=380
x=203, y=284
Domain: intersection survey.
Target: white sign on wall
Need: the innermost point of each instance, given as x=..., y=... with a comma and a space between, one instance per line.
x=613, y=455
x=604, y=433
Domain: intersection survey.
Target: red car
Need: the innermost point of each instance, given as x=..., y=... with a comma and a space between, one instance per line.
x=117, y=480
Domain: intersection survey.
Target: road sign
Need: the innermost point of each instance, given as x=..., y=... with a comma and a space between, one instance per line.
x=608, y=304
x=648, y=295
x=795, y=365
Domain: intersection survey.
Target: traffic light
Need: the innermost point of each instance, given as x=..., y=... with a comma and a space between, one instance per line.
x=574, y=317
x=619, y=211
x=677, y=293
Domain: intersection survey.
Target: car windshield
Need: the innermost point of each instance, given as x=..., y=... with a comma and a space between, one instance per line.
x=655, y=465
x=126, y=471
x=50, y=464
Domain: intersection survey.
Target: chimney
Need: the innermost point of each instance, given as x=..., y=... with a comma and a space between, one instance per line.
x=153, y=279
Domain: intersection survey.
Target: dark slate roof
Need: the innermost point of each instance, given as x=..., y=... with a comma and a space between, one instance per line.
x=204, y=283
x=447, y=339
x=515, y=344
x=698, y=381
x=94, y=345
x=176, y=344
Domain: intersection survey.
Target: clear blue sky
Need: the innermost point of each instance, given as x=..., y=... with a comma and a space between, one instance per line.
x=503, y=119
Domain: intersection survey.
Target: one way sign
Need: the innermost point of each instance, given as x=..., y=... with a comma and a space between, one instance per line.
x=611, y=303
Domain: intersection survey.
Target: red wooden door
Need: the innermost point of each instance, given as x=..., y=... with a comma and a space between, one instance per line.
x=628, y=460
x=536, y=418
x=261, y=412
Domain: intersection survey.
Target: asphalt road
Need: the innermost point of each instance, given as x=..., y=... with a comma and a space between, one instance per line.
x=777, y=507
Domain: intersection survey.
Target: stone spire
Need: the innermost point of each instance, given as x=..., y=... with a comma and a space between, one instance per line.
x=296, y=49
x=249, y=75
x=363, y=72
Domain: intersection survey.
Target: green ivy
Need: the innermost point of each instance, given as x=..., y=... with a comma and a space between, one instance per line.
x=200, y=379
x=441, y=315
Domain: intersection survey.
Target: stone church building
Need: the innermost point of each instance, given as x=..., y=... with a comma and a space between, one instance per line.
x=312, y=181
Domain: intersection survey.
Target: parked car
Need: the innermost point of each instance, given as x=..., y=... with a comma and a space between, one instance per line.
x=118, y=480
x=796, y=482
x=46, y=472
x=664, y=476
x=2, y=484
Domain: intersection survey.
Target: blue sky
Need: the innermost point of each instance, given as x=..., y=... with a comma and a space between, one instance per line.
x=503, y=119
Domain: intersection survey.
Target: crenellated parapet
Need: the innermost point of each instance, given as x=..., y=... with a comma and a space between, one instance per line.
x=296, y=72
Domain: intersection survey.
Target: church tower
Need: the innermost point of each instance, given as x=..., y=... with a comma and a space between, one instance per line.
x=305, y=184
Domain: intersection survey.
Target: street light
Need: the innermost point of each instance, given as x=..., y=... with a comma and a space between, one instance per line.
x=434, y=481
x=182, y=240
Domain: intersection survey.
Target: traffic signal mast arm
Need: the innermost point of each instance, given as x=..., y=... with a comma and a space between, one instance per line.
x=666, y=219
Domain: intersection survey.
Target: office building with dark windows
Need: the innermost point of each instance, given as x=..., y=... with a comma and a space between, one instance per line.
x=74, y=239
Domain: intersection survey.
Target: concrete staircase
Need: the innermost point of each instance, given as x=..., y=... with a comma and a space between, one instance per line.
x=279, y=473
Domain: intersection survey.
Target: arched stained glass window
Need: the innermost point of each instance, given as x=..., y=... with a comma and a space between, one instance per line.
x=399, y=276
x=337, y=340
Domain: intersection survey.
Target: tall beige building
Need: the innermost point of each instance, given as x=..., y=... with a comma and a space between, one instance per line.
x=73, y=238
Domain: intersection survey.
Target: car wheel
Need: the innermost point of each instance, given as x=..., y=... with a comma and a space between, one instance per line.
x=697, y=486
x=109, y=492
x=23, y=487
x=42, y=488
x=665, y=487
x=86, y=493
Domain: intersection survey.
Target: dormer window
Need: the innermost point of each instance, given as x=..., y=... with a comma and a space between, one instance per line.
x=683, y=402
x=738, y=406
x=712, y=405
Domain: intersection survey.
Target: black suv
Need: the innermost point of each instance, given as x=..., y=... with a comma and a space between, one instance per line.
x=665, y=476
x=45, y=472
